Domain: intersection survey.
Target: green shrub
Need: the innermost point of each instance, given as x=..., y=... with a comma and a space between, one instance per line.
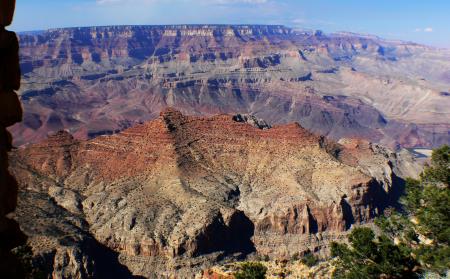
x=309, y=259
x=251, y=270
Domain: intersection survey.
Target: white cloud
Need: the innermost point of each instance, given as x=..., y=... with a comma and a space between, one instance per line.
x=427, y=29
x=223, y=2
x=107, y=1
x=240, y=1
x=298, y=21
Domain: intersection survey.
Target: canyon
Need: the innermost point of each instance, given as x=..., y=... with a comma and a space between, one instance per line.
x=178, y=194
x=93, y=81
x=165, y=151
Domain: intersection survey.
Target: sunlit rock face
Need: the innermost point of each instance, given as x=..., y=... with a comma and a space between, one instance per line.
x=101, y=80
x=180, y=193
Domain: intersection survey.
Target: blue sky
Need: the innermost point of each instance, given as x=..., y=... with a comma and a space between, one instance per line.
x=422, y=21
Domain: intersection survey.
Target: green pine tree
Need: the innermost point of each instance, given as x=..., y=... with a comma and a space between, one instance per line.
x=411, y=242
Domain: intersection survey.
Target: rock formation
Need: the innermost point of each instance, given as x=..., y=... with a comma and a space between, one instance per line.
x=252, y=120
x=10, y=113
x=100, y=80
x=180, y=193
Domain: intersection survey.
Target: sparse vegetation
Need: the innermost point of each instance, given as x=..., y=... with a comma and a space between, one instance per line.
x=262, y=258
x=309, y=259
x=251, y=270
x=412, y=242
x=295, y=257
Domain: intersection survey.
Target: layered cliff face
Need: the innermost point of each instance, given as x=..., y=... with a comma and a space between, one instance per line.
x=179, y=193
x=101, y=80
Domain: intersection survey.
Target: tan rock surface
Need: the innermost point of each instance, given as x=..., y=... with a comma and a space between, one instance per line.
x=275, y=270
x=177, y=194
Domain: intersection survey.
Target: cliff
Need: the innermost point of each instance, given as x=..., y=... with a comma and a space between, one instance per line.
x=101, y=80
x=181, y=193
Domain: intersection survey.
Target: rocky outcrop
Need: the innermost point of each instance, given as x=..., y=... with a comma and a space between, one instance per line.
x=60, y=239
x=100, y=80
x=10, y=113
x=174, y=195
x=252, y=120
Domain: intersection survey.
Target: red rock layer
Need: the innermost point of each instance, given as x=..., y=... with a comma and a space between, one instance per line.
x=186, y=188
x=101, y=80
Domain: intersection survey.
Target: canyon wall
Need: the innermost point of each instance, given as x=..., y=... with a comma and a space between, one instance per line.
x=181, y=193
x=100, y=80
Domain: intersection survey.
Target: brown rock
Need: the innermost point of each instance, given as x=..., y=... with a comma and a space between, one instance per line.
x=176, y=194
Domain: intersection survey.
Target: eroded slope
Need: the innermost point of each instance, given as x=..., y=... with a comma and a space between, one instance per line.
x=101, y=80
x=181, y=192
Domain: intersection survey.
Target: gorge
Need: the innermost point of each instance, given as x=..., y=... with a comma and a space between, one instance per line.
x=100, y=80
x=160, y=151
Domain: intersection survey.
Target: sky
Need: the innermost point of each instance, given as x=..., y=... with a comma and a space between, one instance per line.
x=421, y=21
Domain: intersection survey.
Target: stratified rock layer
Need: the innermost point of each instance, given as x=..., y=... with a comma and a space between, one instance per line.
x=100, y=80
x=178, y=193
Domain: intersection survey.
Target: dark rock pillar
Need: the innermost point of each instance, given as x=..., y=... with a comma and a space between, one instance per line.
x=10, y=113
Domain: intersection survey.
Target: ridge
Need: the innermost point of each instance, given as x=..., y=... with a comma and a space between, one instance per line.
x=195, y=190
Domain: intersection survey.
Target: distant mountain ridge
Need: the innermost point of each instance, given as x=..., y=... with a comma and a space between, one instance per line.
x=291, y=30
x=100, y=80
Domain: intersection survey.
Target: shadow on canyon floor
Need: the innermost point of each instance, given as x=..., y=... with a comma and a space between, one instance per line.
x=107, y=264
x=231, y=239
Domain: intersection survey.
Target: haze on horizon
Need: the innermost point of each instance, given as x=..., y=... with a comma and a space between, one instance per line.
x=423, y=22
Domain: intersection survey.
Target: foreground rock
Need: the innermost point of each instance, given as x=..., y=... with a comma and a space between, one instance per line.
x=180, y=193
x=10, y=113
